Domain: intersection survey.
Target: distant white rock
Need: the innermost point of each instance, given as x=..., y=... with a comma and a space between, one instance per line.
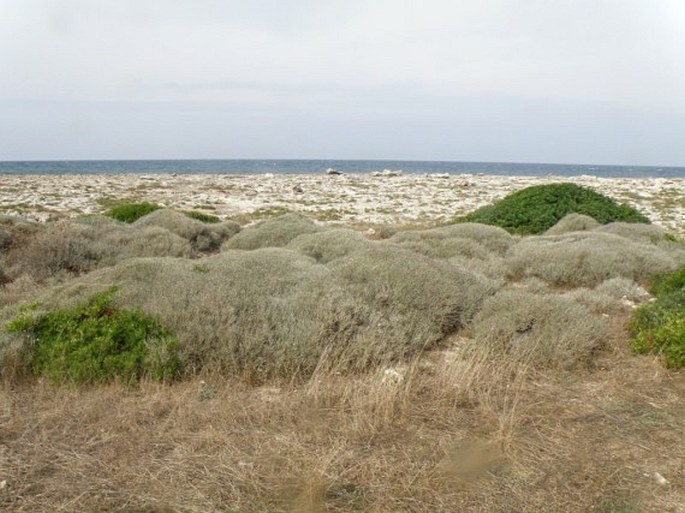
x=387, y=173
x=332, y=171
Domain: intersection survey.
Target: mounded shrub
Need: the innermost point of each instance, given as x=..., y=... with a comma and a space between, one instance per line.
x=202, y=236
x=543, y=330
x=274, y=232
x=330, y=244
x=468, y=239
x=76, y=247
x=131, y=212
x=96, y=342
x=585, y=259
x=411, y=301
x=640, y=232
x=274, y=312
x=535, y=209
x=54, y=248
x=573, y=223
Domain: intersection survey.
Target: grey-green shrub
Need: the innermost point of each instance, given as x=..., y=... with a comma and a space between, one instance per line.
x=274, y=232
x=542, y=330
x=274, y=312
x=202, y=236
x=635, y=231
x=472, y=240
x=409, y=300
x=328, y=245
x=585, y=259
x=573, y=223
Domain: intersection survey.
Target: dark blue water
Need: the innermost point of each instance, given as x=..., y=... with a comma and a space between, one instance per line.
x=319, y=166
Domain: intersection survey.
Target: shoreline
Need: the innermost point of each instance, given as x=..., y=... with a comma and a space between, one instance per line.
x=349, y=198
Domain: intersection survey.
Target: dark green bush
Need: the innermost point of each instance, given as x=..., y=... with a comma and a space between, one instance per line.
x=201, y=216
x=536, y=209
x=97, y=342
x=131, y=212
x=659, y=327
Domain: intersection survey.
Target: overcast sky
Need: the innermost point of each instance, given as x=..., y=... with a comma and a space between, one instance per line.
x=572, y=81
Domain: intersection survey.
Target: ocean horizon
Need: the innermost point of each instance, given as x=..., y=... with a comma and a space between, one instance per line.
x=313, y=166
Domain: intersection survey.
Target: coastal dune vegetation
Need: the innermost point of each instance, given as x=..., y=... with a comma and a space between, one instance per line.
x=518, y=359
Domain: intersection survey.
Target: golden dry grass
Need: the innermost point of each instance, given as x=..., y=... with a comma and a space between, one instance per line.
x=460, y=431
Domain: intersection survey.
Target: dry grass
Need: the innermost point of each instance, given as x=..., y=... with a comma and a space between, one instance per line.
x=459, y=432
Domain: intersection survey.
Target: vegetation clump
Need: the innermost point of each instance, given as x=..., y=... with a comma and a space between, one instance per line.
x=202, y=217
x=97, y=342
x=586, y=259
x=535, y=209
x=274, y=232
x=131, y=212
x=659, y=327
x=544, y=330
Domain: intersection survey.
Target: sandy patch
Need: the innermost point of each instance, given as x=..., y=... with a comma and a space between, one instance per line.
x=349, y=198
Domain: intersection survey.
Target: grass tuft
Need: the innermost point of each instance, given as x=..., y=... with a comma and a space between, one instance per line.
x=131, y=212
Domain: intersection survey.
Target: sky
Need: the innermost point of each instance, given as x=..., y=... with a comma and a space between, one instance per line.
x=559, y=81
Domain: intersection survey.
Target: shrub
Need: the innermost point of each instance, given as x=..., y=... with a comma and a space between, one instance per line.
x=467, y=241
x=328, y=245
x=573, y=223
x=543, y=330
x=55, y=248
x=275, y=232
x=201, y=216
x=585, y=259
x=131, y=212
x=640, y=232
x=536, y=209
x=407, y=302
x=97, y=342
x=274, y=312
x=202, y=236
x=659, y=327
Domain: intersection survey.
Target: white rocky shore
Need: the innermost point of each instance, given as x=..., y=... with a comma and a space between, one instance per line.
x=346, y=198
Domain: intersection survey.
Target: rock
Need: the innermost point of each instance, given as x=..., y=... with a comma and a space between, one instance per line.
x=332, y=171
x=298, y=189
x=387, y=173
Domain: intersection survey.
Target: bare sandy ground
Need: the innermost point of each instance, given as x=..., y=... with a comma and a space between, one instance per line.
x=349, y=198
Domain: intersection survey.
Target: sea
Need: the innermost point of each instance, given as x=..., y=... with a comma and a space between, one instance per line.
x=290, y=166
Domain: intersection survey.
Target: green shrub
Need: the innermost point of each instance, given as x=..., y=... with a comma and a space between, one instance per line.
x=131, y=212
x=97, y=342
x=201, y=216
x=543, y=330
x=659, y=327
x=573, y=223
x=536, y=209
x=585, y=259
x=274, y=232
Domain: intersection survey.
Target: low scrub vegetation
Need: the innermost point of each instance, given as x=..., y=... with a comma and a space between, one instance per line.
x=541, y=330
x=203, y=217
x=96, y=342
x=586, y=259
x=131, y=212
x=312, y=368
x=274, y=232
x=659, y=327
x=536, y=209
